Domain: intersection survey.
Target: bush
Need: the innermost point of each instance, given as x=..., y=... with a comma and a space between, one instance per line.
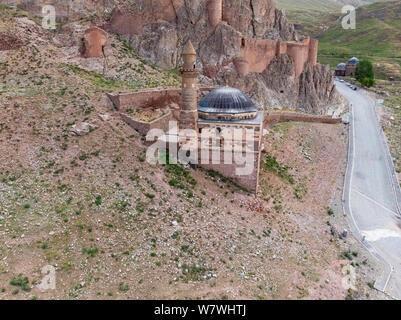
x=364, y=73
x=368, y=82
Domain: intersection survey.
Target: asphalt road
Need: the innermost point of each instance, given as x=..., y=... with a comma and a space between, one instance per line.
x=372, y=196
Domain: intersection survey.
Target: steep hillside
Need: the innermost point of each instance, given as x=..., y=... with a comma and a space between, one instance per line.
x=377, y=24
x=314, y=16
x=317, y=5
x=222, y=32
x=115, y=227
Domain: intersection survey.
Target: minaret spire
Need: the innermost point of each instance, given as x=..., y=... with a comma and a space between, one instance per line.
x=189, y=75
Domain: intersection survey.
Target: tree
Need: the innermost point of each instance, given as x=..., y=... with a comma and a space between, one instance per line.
x=368, y=82
x=364, y=73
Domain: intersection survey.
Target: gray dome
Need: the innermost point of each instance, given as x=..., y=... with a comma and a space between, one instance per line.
x=226, y=100
x=353, y=61
x=342, y=66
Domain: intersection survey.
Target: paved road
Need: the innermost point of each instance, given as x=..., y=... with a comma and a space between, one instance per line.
x=372, y=196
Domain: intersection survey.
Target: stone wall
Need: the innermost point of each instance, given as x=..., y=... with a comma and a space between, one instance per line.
x=144, y=127
x=249, y=182
x=277, y=116
x=94, y=42
x=258, y=53
x=149, y=98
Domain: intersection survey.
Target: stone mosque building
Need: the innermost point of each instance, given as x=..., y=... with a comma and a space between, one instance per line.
x=347, y=69
x=220, y=110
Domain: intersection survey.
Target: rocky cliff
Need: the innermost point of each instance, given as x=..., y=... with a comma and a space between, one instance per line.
x=248, y=44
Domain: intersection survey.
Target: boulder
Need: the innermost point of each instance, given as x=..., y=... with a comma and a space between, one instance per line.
x=104, y=117
x=81, y=129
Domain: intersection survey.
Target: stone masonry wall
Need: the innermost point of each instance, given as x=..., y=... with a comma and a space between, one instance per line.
x=276, y=116
x=159, y=98
x=260, y=52
x=144, y=127
x=249, y=182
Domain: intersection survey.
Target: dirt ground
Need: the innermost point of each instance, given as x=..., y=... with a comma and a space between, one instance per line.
x=115, y=227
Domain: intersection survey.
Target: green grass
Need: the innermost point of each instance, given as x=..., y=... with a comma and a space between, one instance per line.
x=298, y=5
x=377, y=37
x=272, y=165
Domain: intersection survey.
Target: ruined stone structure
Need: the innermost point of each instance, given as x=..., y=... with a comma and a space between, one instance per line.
x=273, y=117
x=249, y=45
x=243, y=44
x=215, y=11
x=259, y=53
x=93, y=43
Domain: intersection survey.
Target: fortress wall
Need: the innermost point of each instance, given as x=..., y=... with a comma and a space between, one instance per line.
x=159, y=98
x=144, y=127
x=215, y=11
x=300, y=54
x=313, y=51
x=281, y=48
x=94, y=41
x=258, y=52
x=132, y=24
x=150, y=98
x=276, y=116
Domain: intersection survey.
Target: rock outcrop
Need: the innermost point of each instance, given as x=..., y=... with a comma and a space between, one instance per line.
x=245, y=43
x=248, y=44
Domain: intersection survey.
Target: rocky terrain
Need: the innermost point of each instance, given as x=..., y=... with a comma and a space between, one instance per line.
x=157, y=30
x=115, y=227
x=390, y=116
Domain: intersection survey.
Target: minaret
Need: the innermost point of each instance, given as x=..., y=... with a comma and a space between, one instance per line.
x=189, y=74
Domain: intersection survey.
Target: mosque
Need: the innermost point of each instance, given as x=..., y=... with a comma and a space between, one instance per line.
x=347, y=69
x=227, y=117
x=222, y=110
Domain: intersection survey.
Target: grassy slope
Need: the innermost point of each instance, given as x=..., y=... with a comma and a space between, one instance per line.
x=309, y=15
x=320, y=5
x=114, y=226
x=377, y=37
